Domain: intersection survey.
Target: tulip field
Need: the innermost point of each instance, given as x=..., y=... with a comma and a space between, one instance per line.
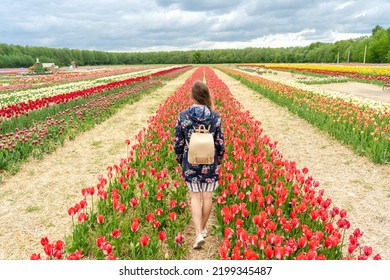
x=363, y=73
x=16, y=83
x=360, y=124
x=265, y=206
x=34, y=122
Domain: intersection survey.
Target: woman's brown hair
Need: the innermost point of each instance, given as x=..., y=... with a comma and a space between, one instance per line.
x=200, y=94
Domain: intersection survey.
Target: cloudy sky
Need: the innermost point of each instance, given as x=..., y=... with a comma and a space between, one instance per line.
x=154, y=25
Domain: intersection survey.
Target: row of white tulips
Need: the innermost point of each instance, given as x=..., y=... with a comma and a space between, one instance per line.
x=33, y=94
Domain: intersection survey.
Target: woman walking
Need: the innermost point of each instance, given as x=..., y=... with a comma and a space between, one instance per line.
x=201, y=179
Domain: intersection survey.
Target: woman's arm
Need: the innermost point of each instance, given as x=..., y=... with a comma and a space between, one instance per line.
x=179, y=141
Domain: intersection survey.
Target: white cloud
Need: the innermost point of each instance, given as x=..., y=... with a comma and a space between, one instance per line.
x=338, y=36
x=181, y=25
x=342, y=6
x=271, y=40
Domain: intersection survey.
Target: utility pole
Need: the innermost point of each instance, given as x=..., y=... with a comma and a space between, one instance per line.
x=349, y=53
x=365, y=52
x=338, y=57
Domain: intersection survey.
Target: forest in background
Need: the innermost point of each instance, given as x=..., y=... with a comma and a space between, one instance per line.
x=369, y=49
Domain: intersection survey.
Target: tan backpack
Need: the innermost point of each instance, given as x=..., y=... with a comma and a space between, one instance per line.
x=201, y=146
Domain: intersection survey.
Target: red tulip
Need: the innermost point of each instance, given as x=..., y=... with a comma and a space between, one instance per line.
x=179, y=238
x=314, y=243
x=156, y=223
x=57, y=255
x=100, y=219
x=49, y=249
x=269, y=252
x=159, y=196
x=228, y=232
x=261, y=232
x=82, y=217
x=162, y=235
x=279, y=252
x=362, y=257
x=72, y=211
x=262, y=244
x=236, y=254
x=134, y=201
x=182, y=204
x=116, y=233
x=44, y=241
x=83, y=204
x=172, y=203
x=102, y=194
x=239, y=223
x=110, y=257
x=77, y=255
x=150, y=217
x=35, y=257
x=158, y=211
x=357, y=233
x=223, y=253
x=244, y=213
x=250, y=255
x=172, y=216
x=59, y=245
x=302, y=241
x=312, y=254
x=367, y=250
x=106, y=248
x=144, y=240
x=135, y=225
x=271, y=226
x=252, y=239
x=100, y=240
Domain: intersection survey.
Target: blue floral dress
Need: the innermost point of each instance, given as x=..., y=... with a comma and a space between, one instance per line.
x=201, y=176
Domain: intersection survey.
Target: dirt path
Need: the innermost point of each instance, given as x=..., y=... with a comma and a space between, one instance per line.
x=361, y=90
x=34, y=202
x=352, y=182
x=210, y=249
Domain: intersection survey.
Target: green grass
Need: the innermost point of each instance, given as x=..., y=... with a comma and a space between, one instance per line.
x=32, y=208
x=97, y=144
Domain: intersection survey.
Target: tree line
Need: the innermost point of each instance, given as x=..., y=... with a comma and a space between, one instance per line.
x=369, y=49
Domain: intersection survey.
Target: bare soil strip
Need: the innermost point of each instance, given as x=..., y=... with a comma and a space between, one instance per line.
x=34, y=202
x=352, y=182
x=362, y=90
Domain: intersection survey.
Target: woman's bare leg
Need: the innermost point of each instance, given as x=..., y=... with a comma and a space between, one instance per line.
x=206, y=209
x=196, y=211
